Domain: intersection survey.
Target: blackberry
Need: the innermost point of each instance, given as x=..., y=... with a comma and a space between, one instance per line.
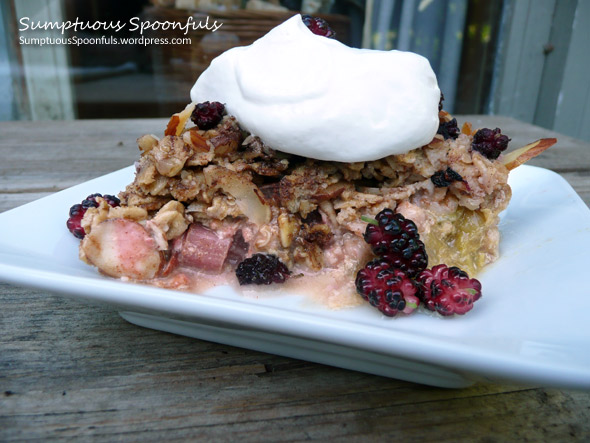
x=386, y=288
x=207, y=115
x=318, y=26
x=449, y=129
x=77, y=211
x=262, y=269
x=444, y=178
x=448, y=290
x=440, y=102
x=489, y=142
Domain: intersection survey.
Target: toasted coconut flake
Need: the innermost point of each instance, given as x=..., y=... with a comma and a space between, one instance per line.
x=524, y=154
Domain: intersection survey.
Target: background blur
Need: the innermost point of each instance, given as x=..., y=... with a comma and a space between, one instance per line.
x=528, y=59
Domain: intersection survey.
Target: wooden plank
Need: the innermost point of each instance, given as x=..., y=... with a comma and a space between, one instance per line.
x=428, y=27
x=555, y=60
x=73, y=370
x=522, y=65
x=30, y=147
x=573, y=107
x=404, y=41
x=450, y=58
x=10, y=201
x=511, y=49
x=383, y=26
x=368, y=24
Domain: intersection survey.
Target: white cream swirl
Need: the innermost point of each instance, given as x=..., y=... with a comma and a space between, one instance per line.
x=315, y=97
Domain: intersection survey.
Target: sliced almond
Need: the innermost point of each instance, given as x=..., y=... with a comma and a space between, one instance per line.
x=248, y=197
x=288, y=228
x=445, y=116
x=196, y=140
x=178, y=121
x=467, y=129
x=147, y=142
x=524, y=154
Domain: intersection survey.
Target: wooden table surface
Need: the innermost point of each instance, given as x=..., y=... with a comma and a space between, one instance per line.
x=70, y=370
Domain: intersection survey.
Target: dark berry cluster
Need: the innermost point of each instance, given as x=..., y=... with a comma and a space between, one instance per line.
x=78, y=210
x=386, y=282
x=442, y=179
x=489, y=142
x=262, y=269
x=396, y=238
x=449, y=130
x=448, y=290
x=207, y=115
x=388, y=289
x=398, y=279
x=318, y=26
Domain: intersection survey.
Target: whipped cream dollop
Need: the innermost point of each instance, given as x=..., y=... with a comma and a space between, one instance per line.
x=313, y=96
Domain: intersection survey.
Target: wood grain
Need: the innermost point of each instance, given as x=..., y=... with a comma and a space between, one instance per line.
x=77, y=371
x=572, y=112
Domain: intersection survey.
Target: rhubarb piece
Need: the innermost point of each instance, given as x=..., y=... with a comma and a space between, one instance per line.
x=202, y=248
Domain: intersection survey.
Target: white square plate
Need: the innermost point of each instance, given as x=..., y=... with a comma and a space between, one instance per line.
x=530, y=326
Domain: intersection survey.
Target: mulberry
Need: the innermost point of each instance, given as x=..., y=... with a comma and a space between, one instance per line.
x=447, y=290
x=386, y=288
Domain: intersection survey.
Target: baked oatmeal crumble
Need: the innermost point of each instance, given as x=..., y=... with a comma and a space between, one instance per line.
x=298, y=208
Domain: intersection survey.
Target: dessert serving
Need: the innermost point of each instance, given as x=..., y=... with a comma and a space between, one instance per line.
x=328, y=170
